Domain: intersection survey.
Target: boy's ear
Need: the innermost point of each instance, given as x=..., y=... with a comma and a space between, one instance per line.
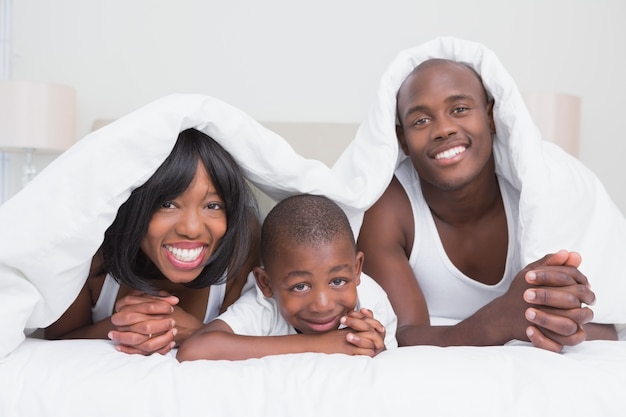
x=401, y=139
x=360, y=256
x=262, y=280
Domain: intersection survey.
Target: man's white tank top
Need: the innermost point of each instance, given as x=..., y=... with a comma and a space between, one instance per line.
x=106, y=301
x=450, y=294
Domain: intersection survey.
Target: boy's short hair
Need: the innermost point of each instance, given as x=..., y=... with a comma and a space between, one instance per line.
x=304, y=219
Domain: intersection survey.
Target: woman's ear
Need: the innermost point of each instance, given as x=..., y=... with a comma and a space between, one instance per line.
x=263, y=281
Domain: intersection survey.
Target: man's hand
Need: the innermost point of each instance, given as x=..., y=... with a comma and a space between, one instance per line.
x=556, y=294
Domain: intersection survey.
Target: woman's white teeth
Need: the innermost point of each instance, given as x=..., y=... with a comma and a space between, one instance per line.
x=450, y=153
x=185, y=255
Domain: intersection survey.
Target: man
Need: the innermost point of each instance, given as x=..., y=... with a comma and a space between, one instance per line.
x=442, y=239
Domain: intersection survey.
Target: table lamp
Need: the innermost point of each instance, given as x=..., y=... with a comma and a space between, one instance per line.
x=36, y=116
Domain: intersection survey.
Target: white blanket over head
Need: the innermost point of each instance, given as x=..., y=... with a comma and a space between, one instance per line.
x=562, y=204
x=53, y=227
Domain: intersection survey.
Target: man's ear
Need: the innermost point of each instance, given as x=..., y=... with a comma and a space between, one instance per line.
x=262, y=280
x=401, y=139
x=492, y=124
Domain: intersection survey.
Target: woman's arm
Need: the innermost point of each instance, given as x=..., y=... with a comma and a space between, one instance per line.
x=76, y=322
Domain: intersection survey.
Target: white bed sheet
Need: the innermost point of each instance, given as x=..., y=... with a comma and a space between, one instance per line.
x=90, y=378
x=51, y=229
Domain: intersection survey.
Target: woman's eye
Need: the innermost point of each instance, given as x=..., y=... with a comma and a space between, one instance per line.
x=167, y=205
x=215, y=206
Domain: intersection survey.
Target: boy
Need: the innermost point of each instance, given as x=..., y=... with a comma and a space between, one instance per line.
x=310, y=295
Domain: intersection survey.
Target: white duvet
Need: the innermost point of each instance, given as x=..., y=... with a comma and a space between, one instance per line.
x=50, y=230
x=90, y=378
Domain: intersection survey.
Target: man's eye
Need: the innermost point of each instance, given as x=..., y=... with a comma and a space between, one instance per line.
x=420, y=121
x=460, y=109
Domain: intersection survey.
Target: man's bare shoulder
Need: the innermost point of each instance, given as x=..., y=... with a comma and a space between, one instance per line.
x=391, y=217
x=393, y=199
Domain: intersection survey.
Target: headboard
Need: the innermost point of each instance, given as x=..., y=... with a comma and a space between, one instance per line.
x=321, y=141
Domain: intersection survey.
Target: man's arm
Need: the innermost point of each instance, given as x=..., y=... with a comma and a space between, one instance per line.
x=386, y=238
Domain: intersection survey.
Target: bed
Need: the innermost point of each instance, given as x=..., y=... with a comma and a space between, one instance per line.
x=44, y=259
x=90, y=378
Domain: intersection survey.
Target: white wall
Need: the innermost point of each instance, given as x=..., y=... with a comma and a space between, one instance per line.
x=285, y=60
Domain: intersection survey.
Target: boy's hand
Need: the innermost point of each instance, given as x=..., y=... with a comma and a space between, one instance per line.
x=367, y=332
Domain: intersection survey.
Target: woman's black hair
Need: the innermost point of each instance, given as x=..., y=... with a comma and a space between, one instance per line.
x=122, y=256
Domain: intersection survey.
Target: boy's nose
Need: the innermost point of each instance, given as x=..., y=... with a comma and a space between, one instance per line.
x=322, y=301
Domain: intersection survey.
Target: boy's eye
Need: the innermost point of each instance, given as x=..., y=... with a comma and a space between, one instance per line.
x=300, y=287
x=337, y=282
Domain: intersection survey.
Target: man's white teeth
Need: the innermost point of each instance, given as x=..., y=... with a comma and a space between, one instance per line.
x=450, y=153
x=185, y=255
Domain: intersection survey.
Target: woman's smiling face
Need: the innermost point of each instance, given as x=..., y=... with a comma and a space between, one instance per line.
x=184, y=232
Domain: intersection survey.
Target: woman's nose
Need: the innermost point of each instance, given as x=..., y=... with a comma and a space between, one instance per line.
x=189, y=224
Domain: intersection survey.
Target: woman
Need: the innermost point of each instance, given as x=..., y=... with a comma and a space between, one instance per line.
x=177, y=254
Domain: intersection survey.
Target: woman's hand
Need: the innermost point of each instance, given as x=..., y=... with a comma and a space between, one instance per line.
x=144, y=323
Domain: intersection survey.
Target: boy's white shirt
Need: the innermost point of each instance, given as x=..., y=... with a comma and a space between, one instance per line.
x=253, y=314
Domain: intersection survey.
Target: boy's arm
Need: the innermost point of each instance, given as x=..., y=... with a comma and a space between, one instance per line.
x=217, y=341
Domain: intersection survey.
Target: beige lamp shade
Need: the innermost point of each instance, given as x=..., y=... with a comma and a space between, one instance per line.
x=557, y=115
x=36, y=116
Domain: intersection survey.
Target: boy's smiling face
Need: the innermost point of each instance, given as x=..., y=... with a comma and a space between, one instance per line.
x=314, y=286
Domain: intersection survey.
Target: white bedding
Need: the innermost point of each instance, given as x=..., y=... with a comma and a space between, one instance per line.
x=51, y=229
x=90, y=378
